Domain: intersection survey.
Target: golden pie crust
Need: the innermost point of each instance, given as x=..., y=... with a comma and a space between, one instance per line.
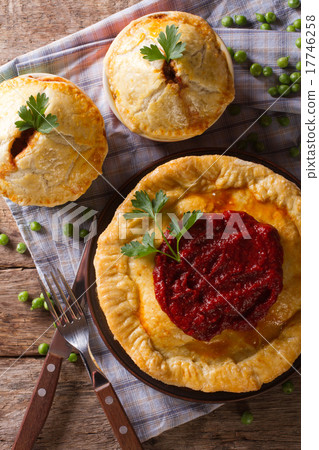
x=53, y=168
x=235, y=361
x=142, y=96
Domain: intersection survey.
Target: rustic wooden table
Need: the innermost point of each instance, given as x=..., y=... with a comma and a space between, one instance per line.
x=76, y=420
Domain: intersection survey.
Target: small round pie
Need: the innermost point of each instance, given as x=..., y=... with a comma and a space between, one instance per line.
x=54, y=168
x=168, y=101
x=232, y=356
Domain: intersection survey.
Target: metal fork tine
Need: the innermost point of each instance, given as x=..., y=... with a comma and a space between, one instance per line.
x=66, y=302
x=71, y=294
x=50, y=306
x=56, y=299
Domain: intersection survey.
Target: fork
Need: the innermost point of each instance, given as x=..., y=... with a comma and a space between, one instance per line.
x=72, y=325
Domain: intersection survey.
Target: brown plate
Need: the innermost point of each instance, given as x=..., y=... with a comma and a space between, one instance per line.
x=86, y=273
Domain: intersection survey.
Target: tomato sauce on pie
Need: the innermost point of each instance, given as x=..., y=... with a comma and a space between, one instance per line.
x=229, y=275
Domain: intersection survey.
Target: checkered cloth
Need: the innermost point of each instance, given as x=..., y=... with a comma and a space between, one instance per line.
x=79, y=58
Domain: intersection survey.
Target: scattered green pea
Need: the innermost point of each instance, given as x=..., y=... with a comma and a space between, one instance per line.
x=295, y=88
x=273, y=91
x=83, y=233
x=37, y=303
x=298, y=65
x=283, y=62
x=68, y=229
x=295, y=76
x=265, y=120
x=240, y=56
x=298, y=42
x=284, y=78
x=252, y=137
x=54, y=324
x=284, y=90
x=260, y=18
x=297, y=24
x=241, y=20
x=48, y=294
x=227, y=22
x=23, y=296
x=284, y=121
x=43, y=348
x=241, y=145
x=256, y=69
x=73, y=357
x=21, y=247
x=270, y=17
x=4, y=239
x=288, y=387
x=265, y=26
x=46, y=305
x=231, y=51
x=294, y=152
x=267, y=71
x=291, y=28
x=293, y=3
x=35, y=226
x=247, y=418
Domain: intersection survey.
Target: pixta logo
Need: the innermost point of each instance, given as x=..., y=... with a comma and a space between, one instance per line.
x=73, y=218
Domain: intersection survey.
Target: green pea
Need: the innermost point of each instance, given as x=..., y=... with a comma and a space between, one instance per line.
x=293, y=3
x=4, y=239
x=295, y=76
x=294, y=152
x=227, y=22
x=273, y=91
x=54, y=324
x=298, y=65
x=295, y=88
x=83, y=233
x=260, y=18
x=240, y=56
x=48, y=294
x=267, y=71
x=21, y=247
x=288, y=387
x=259, y=147
x=270, y=17
x=68, y=229
x=23, y=296
x=298, y=42
x=241, y=20
x=241, y=145
x=283, y=62
x=37, y=303
x=73, y=357
x=284, y=78
x=256, y=69
x=46, y=305
x=247, y=418
x=231, y=51
x=284, y=90
x=35, y=226
x=297, y=24
x=43, y=348
x=252, y=137
x=265, y=120
x=265, y=26
x=290, y=28
x=284, y=121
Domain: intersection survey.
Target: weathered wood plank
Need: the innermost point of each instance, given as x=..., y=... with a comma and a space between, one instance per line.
x=76, y=420
x=20, y=326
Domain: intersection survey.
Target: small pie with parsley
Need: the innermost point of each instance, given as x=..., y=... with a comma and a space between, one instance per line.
x=216, y=307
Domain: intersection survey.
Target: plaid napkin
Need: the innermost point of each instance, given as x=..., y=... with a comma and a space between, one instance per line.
x=79, y=58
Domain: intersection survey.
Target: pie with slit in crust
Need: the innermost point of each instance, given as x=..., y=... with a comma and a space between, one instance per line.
x=234, y=360
x=168, y=101
x=54, y=168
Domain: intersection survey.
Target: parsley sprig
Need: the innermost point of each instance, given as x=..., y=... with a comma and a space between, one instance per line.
x=33, y=117
x=172, y=47
x=144, y=206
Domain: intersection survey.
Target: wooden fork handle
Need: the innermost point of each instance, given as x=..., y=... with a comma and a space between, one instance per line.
x=120, y=423
x=40, y=404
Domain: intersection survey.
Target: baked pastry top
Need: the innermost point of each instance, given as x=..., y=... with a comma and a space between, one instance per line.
x=234, y=360
x=172, y=101
x=49, y=169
